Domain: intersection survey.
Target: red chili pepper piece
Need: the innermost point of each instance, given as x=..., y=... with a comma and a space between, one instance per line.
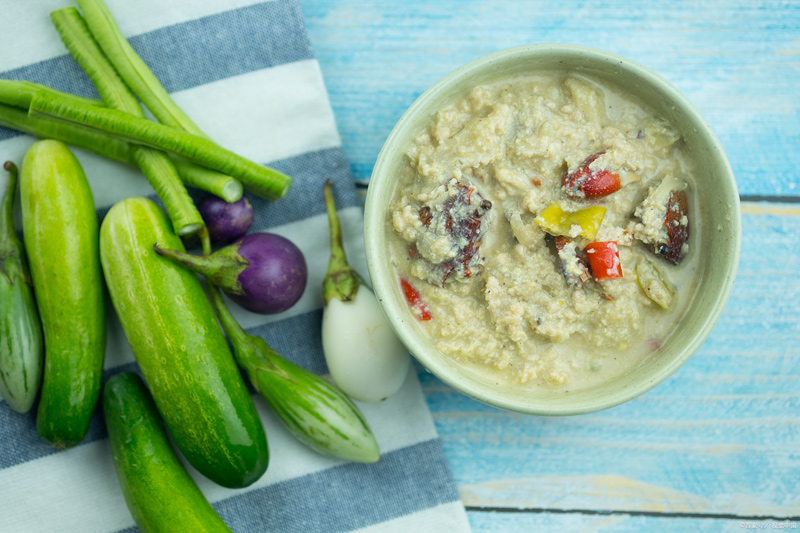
x=604, y=260
x=587, y=183
x=677, y=224
x=415, y=302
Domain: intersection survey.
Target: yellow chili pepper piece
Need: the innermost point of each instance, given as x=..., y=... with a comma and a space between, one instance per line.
x=584, y=222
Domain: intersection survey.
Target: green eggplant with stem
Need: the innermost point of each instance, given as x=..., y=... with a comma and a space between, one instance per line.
x=314, y=411
x=21, y=344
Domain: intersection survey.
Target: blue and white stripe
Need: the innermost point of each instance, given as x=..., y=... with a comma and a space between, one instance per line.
x=245, y=71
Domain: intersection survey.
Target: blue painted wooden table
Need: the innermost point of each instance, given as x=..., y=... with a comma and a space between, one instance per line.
x=715, y=447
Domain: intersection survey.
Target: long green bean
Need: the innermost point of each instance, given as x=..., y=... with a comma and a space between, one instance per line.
x=259, y=179
x=138, y=76
x=219, y=184
x=132, y=69
x=19, y=93
x=155, y=165
x=76, y=135
x=15, y=97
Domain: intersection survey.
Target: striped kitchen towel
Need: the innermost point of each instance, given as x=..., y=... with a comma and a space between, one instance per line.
x=244, y=70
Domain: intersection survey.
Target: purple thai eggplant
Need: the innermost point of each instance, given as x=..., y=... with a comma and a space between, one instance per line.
x=263, y=272
x=225, y=221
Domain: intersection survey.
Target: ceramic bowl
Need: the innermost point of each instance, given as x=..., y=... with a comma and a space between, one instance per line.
x=718, y=236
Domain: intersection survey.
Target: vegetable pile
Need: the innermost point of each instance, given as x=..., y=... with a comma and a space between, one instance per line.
x=52, y=317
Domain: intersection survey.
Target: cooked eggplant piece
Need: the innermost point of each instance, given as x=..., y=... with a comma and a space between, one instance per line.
x=573, y=261
x=453, y=232
x=664, y=220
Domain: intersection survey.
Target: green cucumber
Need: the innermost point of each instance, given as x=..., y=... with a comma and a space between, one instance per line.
x=180, y=348
x=160, y=494
x=61, y=239
x=21, y=344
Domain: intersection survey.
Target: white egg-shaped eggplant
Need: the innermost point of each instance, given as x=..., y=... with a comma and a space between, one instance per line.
x=365, y=357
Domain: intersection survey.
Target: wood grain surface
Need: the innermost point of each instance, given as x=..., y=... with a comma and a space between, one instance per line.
x=715, y=447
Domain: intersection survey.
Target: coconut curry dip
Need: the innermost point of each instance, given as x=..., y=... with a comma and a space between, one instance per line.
x=540, y=230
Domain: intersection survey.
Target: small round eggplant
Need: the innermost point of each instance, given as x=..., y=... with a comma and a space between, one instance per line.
x=225, y=221
x=262, y=272
x=365, y=357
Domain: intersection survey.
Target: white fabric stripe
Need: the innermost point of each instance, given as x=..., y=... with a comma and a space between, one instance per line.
x=266, y=115
x=311, y=236
x=89, y=499
x=27, y=34
x=445, y=517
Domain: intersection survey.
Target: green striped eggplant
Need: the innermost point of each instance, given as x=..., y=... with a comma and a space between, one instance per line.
x=21, y=344
x=316, y=412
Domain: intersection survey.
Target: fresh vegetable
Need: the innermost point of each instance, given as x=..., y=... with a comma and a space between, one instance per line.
x=365, y=357
x=217, y=183
x=316, y=412
x=262, y=272
x=653, y=283
x=160, y=494
x=418, y=307
x=104, y=31
x=19, y=94
x=132, y=69
x=604, y=260
x=60, y=225
x=21, y=344
x=177, y=342
x=573, y=261
x=226, y=221
x=17, y=118
x=259, y=179
x=155, y=165
x=588, y=182
x=584, y=222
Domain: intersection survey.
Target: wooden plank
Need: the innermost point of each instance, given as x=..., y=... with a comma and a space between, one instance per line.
x=720, y=437
x=737, y=61
x=620, y=523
